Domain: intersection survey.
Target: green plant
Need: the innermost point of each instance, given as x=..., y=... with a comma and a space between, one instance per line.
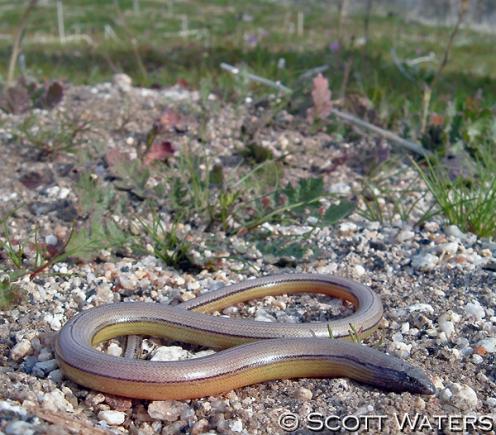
x=297, y=202
x=10, y=294
x=168, y=246
x=356, y=336
x=53, y=139
x=381, y=201
x=468, y=202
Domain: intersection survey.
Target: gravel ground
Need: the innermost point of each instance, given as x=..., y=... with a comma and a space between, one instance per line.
x=436, y=283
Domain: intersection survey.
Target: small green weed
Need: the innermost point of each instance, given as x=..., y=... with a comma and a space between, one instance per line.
x=53, y=139
x=10, y=294
x=168, y=246
x=469, y=203
x=381, y=202
x=296, y=203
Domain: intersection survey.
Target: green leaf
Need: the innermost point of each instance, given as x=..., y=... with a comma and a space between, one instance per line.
x=335, y=213
x=85, y=243
x=92, y=196
x=308, y=192
x=282, y=248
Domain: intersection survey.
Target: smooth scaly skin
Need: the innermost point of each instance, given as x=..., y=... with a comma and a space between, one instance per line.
x=258, y=351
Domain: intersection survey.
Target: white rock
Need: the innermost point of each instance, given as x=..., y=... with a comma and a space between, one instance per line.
x=491, y=401
x=203, y=353
x=397, y=337
x=464, y=397
x=405, y=235
x=445, y=395
x=340, y=188
x=455, y=317
x=128, y=281
x=446, y=325
x=477, y=359
x=51, y=240
x=347, y=228
x=450, y=248
x=453, y=230
x=424, y=261
x=359, y=270
x=236, y=425
x=55, y=401
x=45, y=355
x=111, y=417
x=170, y=353
x=54, y=320
x=20, y=427
x=423, y=308
x=168, y=410
x=488, y=344
x=114, y=349
x=475, y=310
x=399, y=349
x=433, y=227
x=12, y=408
x=303, y=394
x=264, y=316
x=122, y=81
x=20, y=350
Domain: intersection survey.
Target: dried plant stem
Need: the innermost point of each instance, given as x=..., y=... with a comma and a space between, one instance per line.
x=449, y=45
x=16, y=48
x=366, y=21
x=351, y=119
x=342, y=13
x=254, y=77
x=428, y=88
x=346, y=77
x=347, y=117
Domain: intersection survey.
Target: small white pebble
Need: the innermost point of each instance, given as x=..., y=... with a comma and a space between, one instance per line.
x=303, y=394
x=446, y=326
x=453, y=230
x=475, y=310
x=341, y=188
x=423, y=308
x=445, y=395
x=264, y=316
x=405, y=235
x=20, y=350
x=167, y=410
x=113, y=418
x=433, y=227
x=477, y=359
x=464, y=397
x=401, y=350
x=425, y=262
x=114, y=349
x=170, y=353
x=45, y=355
x=51, y=240
x=359, y=270
x=347, y=228
x=397, y=337
x=450, y=248
x=236, y=425
x=55, y=401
